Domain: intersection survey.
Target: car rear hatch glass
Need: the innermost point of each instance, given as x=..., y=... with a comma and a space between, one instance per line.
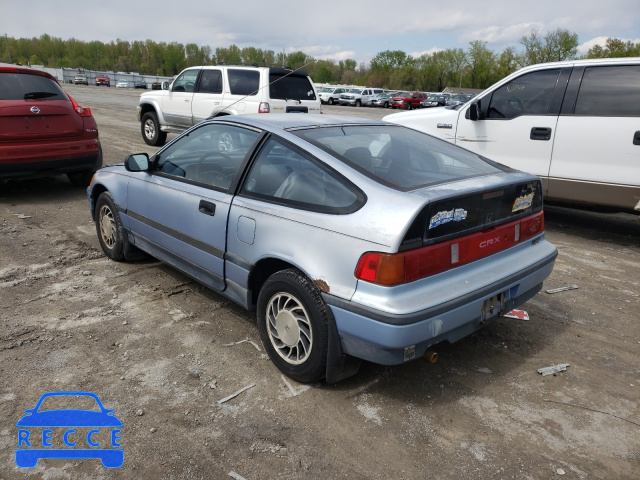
x=287, y=85
x=35, y=107
x=482, y=210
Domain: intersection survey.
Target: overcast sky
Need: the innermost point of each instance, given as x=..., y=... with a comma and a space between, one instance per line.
x=326, y=30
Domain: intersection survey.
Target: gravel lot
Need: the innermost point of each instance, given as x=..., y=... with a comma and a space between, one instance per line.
x=162, y=351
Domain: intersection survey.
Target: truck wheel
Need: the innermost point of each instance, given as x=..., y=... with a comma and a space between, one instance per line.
x=330, y=101
x=358, y=103
x=408, y=106
x=151, y=130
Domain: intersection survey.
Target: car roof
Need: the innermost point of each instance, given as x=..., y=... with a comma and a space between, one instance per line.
x=291, y=121
x=9, y=68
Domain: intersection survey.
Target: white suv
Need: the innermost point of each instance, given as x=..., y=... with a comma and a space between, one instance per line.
x=576, y=124
x=198, y=93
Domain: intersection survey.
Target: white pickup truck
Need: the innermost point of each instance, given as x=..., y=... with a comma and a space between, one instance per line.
x=198, y=93
x=576, y=124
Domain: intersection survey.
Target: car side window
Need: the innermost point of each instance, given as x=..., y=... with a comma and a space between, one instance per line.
x=610, y=91
x=210, y=81
x=186, y=81
x=282, y=174
x=243, y=82
x=529, y=94
x=210, y=155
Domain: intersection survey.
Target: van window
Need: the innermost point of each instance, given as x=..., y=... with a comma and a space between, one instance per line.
x=529, y=94
x=611, y=91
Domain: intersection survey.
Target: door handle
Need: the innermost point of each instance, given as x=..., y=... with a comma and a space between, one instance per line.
x=207, y=208
x=636, y=138
x=540, y=133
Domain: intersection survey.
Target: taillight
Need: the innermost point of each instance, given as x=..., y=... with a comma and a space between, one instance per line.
x=82, y=111
x=264, y=107
x=389, y=269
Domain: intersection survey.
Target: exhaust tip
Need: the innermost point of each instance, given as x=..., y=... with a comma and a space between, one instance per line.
x=431, y=356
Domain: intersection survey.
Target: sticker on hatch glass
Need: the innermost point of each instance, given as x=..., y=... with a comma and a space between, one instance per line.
x=53, y=429
x=440, y=218
x=522, y=203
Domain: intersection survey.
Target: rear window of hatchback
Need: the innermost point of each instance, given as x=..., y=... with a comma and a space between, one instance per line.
x=21, y=86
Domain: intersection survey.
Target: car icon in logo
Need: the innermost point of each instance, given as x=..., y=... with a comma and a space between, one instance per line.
x=67, y=433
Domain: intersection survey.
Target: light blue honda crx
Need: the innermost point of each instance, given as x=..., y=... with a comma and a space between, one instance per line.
x=351, y=238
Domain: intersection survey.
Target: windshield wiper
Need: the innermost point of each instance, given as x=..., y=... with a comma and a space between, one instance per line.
x=32, y=95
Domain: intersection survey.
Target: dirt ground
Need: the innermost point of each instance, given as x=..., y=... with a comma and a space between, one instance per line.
x=162, y=351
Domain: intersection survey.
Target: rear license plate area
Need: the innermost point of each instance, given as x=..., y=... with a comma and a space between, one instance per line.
x=493, y=306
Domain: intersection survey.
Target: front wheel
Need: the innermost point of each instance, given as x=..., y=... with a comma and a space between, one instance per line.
x=408, y=106
x=150, y=128
x=358, y=103
x=293, y=325
x=330, y=101
x=109, y=227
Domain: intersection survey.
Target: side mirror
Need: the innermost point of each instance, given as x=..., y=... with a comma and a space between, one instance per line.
x=475, y=111
x=138, y=162
x=165, y=85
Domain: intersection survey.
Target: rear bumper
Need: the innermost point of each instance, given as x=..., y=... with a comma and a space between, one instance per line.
x=390, y=339
x=53, y=158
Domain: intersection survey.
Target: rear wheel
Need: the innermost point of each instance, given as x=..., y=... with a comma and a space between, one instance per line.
x=151, y=130
x=293, y=325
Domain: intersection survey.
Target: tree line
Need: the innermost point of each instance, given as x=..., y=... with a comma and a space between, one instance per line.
x=476, y=67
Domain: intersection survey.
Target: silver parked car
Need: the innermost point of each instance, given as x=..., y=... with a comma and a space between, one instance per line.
x=353, y=239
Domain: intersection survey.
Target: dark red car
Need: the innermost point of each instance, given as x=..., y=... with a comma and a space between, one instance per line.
x=43, y=131
x=106, y=81
x=408, y=100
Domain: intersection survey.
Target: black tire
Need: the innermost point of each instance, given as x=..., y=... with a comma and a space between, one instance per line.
x=408, y=106
x=83, y=179
x=80, y=179
x=358, y=103
x=330, y=101
x=386, y=105
x=109, y=227
x=150, y=129
x=293, y=325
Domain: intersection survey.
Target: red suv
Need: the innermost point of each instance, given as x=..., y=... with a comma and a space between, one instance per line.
x=103, y=81
x=43, y=131
x=408, y=100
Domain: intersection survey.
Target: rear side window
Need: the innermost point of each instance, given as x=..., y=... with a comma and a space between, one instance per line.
x=612, y=91
x=529, y=94
x=284, y=175
x=290, y=87
x=243, y=82
x=19, y=86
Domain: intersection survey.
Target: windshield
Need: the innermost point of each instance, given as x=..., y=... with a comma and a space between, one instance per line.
x=399, y=157
x=355, y=90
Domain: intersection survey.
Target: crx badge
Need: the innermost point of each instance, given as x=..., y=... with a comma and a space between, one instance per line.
x=35, y=110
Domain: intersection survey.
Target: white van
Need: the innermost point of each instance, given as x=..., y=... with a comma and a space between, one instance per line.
x=576, y=124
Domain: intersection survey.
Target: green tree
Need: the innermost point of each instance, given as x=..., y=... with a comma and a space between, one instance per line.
x=613, y=48
x=553, y=47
